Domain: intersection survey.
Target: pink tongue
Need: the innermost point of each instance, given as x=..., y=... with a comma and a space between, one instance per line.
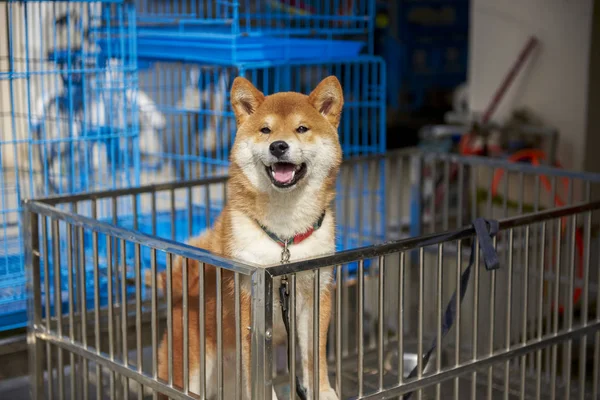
x=283, y=172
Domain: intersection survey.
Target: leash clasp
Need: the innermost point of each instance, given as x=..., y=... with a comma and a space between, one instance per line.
x=285, y=254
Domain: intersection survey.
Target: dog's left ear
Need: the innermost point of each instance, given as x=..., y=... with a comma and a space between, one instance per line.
x=328, y=99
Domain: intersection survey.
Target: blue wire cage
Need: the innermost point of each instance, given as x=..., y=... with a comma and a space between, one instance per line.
x=200, y=125
x=227, y=32
x=69, y=119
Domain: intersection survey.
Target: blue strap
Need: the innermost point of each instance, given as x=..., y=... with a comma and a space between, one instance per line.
x=485, y=231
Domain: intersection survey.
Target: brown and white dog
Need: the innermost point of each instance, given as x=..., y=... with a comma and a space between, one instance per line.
x=284, y=165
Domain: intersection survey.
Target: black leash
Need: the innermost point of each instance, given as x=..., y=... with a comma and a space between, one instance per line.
x=485, y=230
x=284, y=296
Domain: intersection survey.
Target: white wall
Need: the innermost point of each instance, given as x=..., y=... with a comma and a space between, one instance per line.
x=555, y=81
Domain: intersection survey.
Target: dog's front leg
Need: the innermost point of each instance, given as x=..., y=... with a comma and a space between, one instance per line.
x=304, y=313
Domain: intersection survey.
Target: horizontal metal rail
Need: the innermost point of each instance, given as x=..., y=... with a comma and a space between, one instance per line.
x=143, y=239
x=104, y=360
x=498, y=357
x=471, y=161
x=402, y=245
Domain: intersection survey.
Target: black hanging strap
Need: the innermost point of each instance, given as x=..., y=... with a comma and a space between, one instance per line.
x=284, y=296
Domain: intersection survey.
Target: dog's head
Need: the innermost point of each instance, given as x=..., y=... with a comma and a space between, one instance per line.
x=287, y=140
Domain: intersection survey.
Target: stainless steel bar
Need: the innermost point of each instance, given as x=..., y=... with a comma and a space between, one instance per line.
x=219, y=299
x=361, y=319
x=185, y=320
x=373, y=174
x=207, y=204
x=401, y=276
x=238, y=338
x=172, y=214
x=492, y=313
x=202, y=331
x=153, y=212
x=524, y=318
x=71, y=304
x=475, y=327
x=123, y=305
x=445, y=211
x=596, y=368
x=84, y=308
x=338, y=335
x=82, y=368
x=508, y=313
x=421, y=309
x=262, y=332
x=31, y=236
x=554, y=349
x=58, y=305
x=316, y=321
x=570, y=305
x=433, y=208
x=360, y=199
x=540, y=312
x=47, y=295
x=96, y=275
x=111, y=316
x=138, y=314
x=460, y=200
x=585, y=298
x=154, y=318
x=439, y=313
x=380, y=319
x=458, y=317
x=346, y=197
x=292, y=335
x=190, y=212
x=169, y=274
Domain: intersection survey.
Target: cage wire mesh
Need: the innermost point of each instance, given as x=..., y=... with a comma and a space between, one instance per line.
x=275, y=17
x=68, y=115
x=527, y=330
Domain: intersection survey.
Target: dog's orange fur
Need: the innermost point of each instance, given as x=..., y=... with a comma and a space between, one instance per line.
x=321, y=110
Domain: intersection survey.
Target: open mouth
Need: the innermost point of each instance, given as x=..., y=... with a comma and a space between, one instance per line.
x=284, y=174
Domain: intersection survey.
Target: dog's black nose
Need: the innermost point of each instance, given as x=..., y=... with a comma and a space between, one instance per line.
x=278, y=148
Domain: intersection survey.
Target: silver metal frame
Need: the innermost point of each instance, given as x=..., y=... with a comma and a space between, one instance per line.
x=522, y=347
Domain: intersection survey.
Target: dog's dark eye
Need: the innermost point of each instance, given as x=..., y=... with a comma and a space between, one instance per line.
x=265, y=130
x=302, y=129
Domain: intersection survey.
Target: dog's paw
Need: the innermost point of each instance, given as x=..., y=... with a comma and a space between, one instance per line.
x=328, y=394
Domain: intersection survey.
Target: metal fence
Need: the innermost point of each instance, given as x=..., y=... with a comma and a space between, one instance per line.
x=530, y=329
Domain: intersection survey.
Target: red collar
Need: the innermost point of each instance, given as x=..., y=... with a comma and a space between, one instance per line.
x=296, y=238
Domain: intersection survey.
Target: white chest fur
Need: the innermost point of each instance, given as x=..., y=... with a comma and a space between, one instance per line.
x=252, y=244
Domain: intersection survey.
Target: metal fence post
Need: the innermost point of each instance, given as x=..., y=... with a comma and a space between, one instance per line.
x=30, y=232
x=262, y=335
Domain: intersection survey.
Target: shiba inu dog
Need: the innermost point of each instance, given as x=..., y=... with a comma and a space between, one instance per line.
x=284, y=165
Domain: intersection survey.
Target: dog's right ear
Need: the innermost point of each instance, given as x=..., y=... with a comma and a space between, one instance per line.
x=245, y=99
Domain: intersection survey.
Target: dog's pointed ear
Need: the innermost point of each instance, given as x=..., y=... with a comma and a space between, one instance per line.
x=245, y=99
x=328, y=99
